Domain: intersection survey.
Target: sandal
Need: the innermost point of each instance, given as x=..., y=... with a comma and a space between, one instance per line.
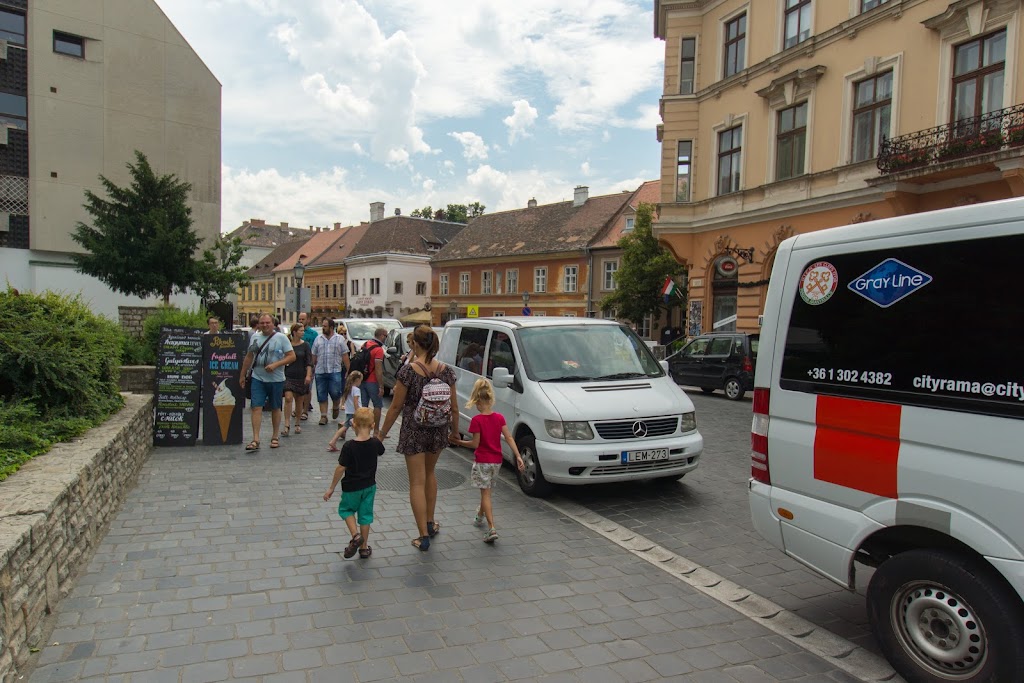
x=365, y=552
x=253, y=445
x=298, y=429
x=284, y=432
x=323, y=420
x=423, y=543
x=274, y=443
x=433, y=528
x=353, y=546
x=332, y=449
x=304, y=417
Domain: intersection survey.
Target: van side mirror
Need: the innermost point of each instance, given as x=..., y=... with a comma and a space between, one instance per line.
x=501, y=378
x=664, y=365
x=392, y=350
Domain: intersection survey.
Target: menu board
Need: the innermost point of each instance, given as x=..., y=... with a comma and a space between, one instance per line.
x=178, y=373
x=223, y=398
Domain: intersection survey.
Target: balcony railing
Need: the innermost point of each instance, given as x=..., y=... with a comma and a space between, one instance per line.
x=958, y=140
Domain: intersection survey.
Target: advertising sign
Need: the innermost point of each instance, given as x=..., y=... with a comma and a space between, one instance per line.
x=178, y=373
x=222, y=396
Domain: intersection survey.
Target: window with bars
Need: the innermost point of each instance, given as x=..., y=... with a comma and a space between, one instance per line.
x=872, y=111
x=735, y=45
x=791, y=141
x=730, y=157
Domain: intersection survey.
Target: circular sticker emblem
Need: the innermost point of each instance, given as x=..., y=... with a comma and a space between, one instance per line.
x=818, y=283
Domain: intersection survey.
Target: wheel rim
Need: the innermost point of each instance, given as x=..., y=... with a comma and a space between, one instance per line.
x=529, y=474
x=732, y=388
x=940, y=630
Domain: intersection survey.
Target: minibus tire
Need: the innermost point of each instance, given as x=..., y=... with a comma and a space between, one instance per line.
x=963, y=596
x=733, y=389
x=539, y=487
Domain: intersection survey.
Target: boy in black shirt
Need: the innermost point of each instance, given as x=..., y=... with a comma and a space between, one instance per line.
x=358, y=464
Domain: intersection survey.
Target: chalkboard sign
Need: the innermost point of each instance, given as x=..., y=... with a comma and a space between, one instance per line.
x=223, y=398
x=178, y=373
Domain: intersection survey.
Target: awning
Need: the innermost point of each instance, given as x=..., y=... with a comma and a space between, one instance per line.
x=417, y=318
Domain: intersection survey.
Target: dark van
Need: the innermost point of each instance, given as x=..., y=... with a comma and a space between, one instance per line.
x=724, y=360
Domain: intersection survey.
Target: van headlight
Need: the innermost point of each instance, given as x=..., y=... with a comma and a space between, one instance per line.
x=688, y=423
x=569, y=431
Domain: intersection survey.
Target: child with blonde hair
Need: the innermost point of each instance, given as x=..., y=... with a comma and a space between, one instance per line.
x=487, y=428
x=352, y=399
x=358, y=464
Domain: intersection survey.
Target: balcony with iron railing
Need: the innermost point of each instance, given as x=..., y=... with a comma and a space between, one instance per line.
x=964, y=139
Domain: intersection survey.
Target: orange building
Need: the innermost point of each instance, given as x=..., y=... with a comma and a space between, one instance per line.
x=325, y=275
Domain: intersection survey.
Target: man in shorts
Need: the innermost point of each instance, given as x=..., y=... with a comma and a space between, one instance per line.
x=330, y=365
x=269, y=351
x=370, y=388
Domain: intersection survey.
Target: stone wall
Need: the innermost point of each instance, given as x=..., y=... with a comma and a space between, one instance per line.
x=138, y=379
x=132, y=317
x=53, y=513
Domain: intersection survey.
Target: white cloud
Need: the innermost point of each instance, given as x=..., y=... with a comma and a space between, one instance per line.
x=585, y=168
x=522, y=117
x=473, y=146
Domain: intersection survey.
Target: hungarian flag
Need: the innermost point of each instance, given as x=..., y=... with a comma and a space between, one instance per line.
x=668, y=289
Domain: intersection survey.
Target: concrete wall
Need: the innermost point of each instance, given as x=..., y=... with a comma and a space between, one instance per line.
x=53, y=513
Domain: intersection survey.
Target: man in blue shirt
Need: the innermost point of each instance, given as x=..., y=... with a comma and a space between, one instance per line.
x=269, y=351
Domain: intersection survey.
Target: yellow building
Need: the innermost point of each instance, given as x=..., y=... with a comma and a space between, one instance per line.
x=787, y=116
x=258, y=296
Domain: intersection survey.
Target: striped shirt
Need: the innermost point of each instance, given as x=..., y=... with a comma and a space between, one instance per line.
x=329, y=353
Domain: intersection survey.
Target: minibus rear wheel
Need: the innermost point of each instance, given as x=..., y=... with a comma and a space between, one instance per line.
x=531, y=479
x=946, y=616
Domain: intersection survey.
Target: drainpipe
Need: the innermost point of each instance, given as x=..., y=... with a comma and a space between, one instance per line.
x=590, y=278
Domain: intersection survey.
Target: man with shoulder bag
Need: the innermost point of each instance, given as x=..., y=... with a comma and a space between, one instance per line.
x=269, y=351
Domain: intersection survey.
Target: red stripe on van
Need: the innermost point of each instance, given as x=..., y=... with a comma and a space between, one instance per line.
x=857, y=444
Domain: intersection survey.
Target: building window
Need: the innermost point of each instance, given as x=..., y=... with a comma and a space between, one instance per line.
x=645, y=327
x=630, y=222
x=355, y=288
x=374, y=285
x=735, y=45
x=683, y=171
x=12, y=27
x=569, y=279
x=443, y=283
x=339, y=289
x=865, y=5
x=872, y=109
x=463, y=283
x=540, y=279
x=730, y=153
x=398, y=288
x=791, y=142
x=421, y=289
x=687, y=66
x=279, y=286
x=512, y=281
x=317, y=289
x=610, y=268
x=978, y=68
x=797, y=18
x=67, y=44
x=486, y=278
x=13, y=110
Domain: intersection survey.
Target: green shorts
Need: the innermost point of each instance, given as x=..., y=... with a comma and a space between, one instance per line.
x=359, y=503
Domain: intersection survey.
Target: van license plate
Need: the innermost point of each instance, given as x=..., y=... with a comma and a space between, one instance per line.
x=645, y=456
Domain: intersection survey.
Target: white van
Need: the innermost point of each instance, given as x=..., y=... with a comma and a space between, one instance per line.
x=889, y=430
x=585, y=399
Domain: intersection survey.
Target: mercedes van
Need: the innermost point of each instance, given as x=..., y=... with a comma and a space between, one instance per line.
x=888, y=430
x=585, y=399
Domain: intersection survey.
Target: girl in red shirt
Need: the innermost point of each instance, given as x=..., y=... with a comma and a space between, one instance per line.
x=487, y=428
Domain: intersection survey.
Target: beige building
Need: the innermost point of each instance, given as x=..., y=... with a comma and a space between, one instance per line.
x=83, y=85
x=788, y=116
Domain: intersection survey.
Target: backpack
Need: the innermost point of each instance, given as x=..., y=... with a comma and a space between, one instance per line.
x=434, y=408
x=360, y=361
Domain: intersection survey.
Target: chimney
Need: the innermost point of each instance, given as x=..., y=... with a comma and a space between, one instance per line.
x=337, y=226
x=532, y=204
x=398, y=212
x=579, y=196
x=257, y=221
x=284, y=224
x=376, y=211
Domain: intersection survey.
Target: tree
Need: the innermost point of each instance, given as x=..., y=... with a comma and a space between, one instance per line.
x=455, y=213
x=218, y=273
x=142, y=242
x=425, y=212
x=641, y=276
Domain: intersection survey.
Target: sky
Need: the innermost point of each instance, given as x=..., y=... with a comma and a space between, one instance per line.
x=329, y=105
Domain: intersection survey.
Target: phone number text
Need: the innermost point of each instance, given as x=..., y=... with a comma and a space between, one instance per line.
x=850, y=376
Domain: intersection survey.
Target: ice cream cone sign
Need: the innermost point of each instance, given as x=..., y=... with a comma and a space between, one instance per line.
x=224, y=405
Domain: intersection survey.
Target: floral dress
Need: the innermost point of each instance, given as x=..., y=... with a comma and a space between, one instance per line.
x=413, y=438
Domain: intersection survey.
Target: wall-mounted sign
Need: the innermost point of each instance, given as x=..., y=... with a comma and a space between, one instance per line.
x=363, y=301
x=472, y=311
x=727, y=266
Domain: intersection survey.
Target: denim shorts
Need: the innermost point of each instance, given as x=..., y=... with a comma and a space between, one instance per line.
x=267, y=394
x=358, y=503
x=370, y=393
x=329, y=384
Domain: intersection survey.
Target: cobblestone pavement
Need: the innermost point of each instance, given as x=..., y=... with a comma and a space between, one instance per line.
x=227, y=566
x=706, y=519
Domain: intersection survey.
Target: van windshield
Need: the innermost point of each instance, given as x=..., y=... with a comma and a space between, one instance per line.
x=585, y=353
x=362, y=330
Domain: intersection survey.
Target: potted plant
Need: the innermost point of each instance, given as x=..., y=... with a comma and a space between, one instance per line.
x=909, y=158
x=1015, y=135
x=967, y=145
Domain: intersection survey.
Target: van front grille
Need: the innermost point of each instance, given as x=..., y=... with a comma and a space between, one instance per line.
x=641, y=428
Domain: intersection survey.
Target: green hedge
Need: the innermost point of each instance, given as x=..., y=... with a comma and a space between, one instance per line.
x=59, y=370
x=172, y=317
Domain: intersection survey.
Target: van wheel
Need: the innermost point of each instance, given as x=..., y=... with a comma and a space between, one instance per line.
x=531, y=479
x=941, y=616
x=733, y=389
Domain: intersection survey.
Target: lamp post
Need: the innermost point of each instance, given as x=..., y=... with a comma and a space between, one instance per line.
x=526, y=303
x=453, y=310
x=299, y=271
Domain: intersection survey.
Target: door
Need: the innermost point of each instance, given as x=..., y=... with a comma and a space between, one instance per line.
x=715, y=364
x=501, y=354
x=686, y=369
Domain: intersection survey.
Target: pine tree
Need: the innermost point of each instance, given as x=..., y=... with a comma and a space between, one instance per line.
x=141, y=242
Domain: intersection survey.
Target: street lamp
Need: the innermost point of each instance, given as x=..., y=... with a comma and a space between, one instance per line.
x=453, y=310
x=299, y=271
x=526, y=303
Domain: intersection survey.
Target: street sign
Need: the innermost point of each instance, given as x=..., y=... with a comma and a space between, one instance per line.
x=289, y=299
x=472, y=311
x=526, y=310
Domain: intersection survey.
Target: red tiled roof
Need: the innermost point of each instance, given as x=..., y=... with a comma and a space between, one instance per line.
x=314, y=247
x=342, y=247
x=648, y=193
x=267, y=264
x=406, y=235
